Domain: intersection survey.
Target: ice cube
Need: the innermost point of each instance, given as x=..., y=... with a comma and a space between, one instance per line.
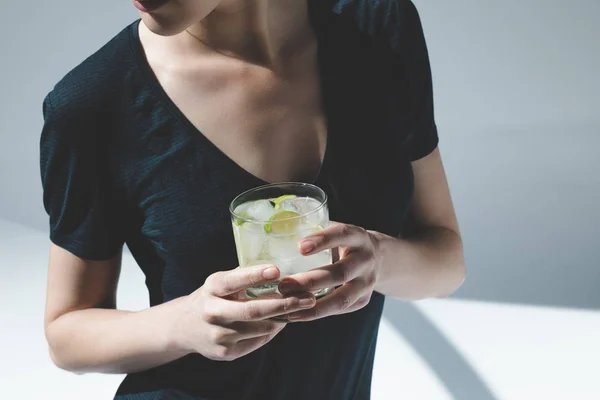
x=260, y=210
x=252, y=241
x=308, y=204
x=241, y=209
x=286, y=267
x=282, y=248
x=305, y=229
x=306, y=263
x=308, y=207
x=298, y=265
x=290, y=205
x=317, y=216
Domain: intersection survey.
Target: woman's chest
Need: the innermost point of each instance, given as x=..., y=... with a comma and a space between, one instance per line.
x=181, y=184
x=269, y=122
x=183, y=189
x=182, y=200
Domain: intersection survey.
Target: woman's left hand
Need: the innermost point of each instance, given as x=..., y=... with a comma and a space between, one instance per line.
x=355, y=273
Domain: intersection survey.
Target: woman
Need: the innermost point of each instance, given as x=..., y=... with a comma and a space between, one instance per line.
x=147, y=141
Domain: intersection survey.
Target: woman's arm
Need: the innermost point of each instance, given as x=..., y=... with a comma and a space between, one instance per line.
x=86, y=333
x=428, y=260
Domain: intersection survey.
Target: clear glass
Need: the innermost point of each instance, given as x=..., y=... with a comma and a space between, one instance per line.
x=269, y=222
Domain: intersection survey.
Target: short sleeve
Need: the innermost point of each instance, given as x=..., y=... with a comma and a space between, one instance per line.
x=83, y=215
x=413, y=63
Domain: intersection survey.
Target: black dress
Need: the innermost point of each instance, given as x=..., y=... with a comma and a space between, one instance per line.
x=120, y=164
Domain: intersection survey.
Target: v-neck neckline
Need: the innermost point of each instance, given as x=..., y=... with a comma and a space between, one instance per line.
x=158, y=89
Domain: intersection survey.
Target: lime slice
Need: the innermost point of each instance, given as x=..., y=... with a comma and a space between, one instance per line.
x=278, y=200
x=283, y=223
x=238, y=221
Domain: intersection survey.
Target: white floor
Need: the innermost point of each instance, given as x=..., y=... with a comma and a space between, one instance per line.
x=442, y=349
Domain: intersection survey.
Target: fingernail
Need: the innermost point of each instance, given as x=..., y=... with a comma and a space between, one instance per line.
x=307, y=302
x=307, y=246
x=270, y=273
x=286, y=286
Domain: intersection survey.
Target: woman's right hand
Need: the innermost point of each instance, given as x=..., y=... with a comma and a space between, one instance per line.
x=219, y=323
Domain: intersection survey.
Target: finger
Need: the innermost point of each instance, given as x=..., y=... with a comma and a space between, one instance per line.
x=225, y=283
x=247, y=346
x=340, y=301
x=255, y=329
x=328, y=276
x=335, y=236
x=264, y=308
x=360, y=304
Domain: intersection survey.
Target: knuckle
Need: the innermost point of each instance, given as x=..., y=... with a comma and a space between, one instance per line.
x=250, y=311
x=223, y=353
x=356, y=230
x=264, y=340
x=227, y=281
x=367, y=259
x=345, y=302
x=288, y=304
x=254, y=277
x=271, y=327
x=209, y=283
x=346, y=229
x=363, y=302
x=210, y=315
x=341, y=273
x=230, y=354
x=217, y=281
x=371, y=280
x=316, y=312
x=373, y=260
x=310, y=284
x=217, y=336
x=373, y=242
x=345, y=273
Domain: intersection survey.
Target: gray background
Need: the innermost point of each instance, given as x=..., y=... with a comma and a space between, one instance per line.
x=517, y=103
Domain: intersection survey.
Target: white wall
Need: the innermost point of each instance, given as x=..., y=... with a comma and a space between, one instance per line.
x=517, y=88
x=40, y=42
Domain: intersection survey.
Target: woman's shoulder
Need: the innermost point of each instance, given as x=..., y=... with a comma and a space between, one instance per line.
x=380, y=10
x=389, y=20
x=95, y=79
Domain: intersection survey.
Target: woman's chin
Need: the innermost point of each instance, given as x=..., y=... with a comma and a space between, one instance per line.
x=163, y=26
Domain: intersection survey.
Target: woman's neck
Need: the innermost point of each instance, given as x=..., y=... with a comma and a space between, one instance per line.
x=260, y=31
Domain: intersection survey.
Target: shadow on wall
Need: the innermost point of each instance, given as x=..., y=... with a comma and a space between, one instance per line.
x=530, y=226
x=453, y=371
